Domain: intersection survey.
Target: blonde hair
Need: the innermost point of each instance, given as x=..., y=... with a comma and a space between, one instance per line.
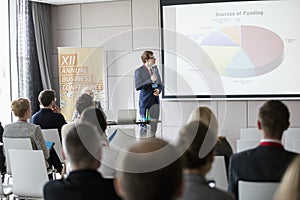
x=20, y=106
x=289, y=188
x=206, y=116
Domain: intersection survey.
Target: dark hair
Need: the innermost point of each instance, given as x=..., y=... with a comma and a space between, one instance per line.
x=83, y=145
x=146, y=55
x=46, y=97
x=274, y=117
x=197, y=142
x=162, y=182
x=96, y=117
x=84, y=101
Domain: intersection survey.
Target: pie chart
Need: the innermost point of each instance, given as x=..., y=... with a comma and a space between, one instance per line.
x=244, y=51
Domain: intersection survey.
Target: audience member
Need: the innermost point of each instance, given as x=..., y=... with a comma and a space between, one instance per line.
x=97, y=118
x=205, y=115
x=23, y=129
x=289, y=188
x=82, y=149
x=192, y=139
x=2, y=157
x=49, y=116
x=151, y=169
x=97, y=104
x=269, y=160
x=84, y=101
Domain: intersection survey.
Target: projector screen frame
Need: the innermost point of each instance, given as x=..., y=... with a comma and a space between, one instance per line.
x=208, y=96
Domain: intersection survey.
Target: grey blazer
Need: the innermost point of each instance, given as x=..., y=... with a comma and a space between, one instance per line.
x=21, y=129
x=196, y=188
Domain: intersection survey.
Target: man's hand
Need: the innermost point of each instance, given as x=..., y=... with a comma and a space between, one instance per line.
x=156, y=92
x=153, y=78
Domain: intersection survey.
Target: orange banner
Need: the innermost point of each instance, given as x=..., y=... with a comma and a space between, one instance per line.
x=79, y=68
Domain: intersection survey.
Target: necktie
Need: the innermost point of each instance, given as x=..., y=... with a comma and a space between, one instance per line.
x=151, y=71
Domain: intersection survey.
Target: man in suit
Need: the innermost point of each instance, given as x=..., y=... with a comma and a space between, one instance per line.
x=147, y=79
x=82, y=149
x=150, y=169
x=49, y=116
x=269, y=160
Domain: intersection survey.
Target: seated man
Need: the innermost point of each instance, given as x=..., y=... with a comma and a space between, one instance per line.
x=82, y=149
x=48, y=116
x=269, y=160
x=195, y=138
x=150, y=170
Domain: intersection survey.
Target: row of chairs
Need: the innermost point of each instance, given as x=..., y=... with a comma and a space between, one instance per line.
x=250, y=137
x=33, y=169
x=23, y=164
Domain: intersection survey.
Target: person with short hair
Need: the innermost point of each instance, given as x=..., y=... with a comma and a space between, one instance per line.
x=95, y=103
x=150, y=169
x=83, y=102
x=269, y=160
x=148, y=81
x=197, y=142
x=22, y=129
x=49, y=116
x=82, y=149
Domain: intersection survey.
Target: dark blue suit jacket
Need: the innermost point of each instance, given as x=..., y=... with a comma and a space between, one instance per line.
x=263, y=163
x=47, y=119
x=143, y=83
x=81, y=185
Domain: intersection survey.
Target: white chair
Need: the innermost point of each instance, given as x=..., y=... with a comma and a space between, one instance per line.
x=289, y=135
x=14, y=143
x=123, y=139
x=107, y=167
x=242, y=145
x=256, y=190
x=53, y=136
x=218, y=173
x=5, y=190
x=29, y=173
x=250, y=134
x=296, y=146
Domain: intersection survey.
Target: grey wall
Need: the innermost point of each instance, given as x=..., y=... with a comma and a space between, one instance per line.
x=125, y=28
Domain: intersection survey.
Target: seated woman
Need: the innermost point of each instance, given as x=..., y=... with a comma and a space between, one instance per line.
x=22, y=129
x=196, y=143
x=97, y=118
x=205, y=115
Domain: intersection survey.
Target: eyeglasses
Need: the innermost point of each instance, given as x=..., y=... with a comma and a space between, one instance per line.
x=152, y=58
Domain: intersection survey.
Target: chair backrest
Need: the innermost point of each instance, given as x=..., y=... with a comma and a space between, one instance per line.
x=107, y=167
x=126, y=116
x=123, y=139
x=218, y=173
x=250, y=134
x=256, y=190
x=242, y=145
x=296, y=146
x=29, y=172
x=289, y=135
x=14, y=143
x=53, y=136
